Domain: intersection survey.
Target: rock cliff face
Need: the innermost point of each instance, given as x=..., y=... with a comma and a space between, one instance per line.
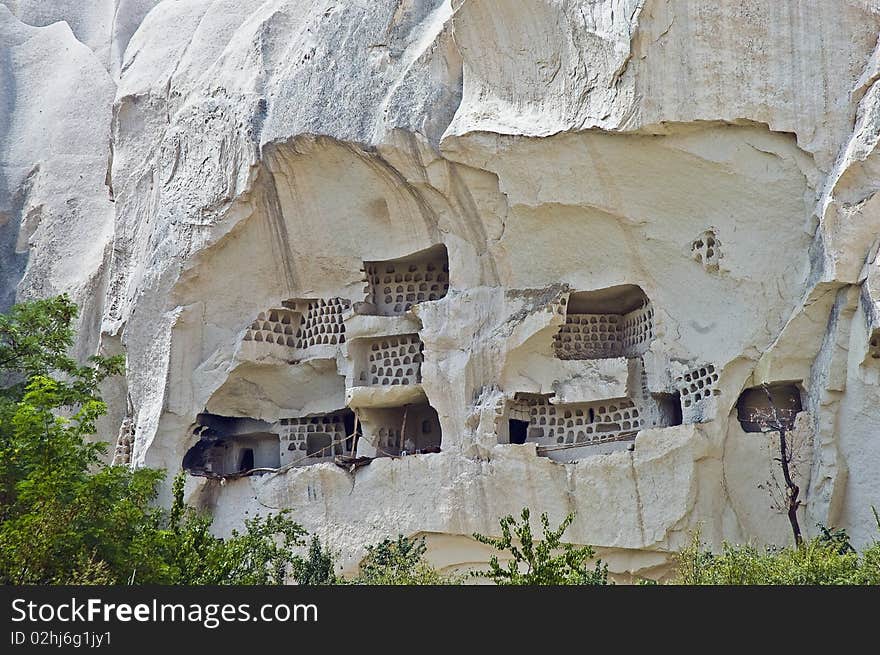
x=572, y=255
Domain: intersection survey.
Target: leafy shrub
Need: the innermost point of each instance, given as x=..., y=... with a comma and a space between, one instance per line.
x=546, y=562
x=399, y=562
x=827, y=559
x=185, y=552
x=317, y=567
x=65, y=517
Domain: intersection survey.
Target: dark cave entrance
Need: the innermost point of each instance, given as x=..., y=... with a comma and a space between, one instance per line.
x=246, y=463
x=517, y=431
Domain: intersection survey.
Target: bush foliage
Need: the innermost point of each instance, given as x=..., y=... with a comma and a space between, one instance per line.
x=65, y=516
x=828, y=559
x=549, y=561
x=399, y=562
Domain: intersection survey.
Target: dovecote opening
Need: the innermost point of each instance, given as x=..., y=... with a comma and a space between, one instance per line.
x=769, y=408
x=408, y=430
x=585, y=424
x=394, y=286
x=230, y=446
x=316, y=438
x=517, y=431
x=300, y=324
x=613, y=322
x=246, y=459
x=697, y=385
x=318, y=444
x=706, y=249
x=669, y=408
x=321, y=321
x=566, y=431
x=275, y=328
x=395, y=360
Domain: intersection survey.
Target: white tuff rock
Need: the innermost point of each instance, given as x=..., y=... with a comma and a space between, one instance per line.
x=590, y=226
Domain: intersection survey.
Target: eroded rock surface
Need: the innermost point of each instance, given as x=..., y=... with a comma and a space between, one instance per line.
x=539, y=254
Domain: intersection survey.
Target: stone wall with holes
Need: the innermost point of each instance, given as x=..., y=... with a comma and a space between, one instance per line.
x=393, y=360
x=387, y=440
x=394, y=287
x=706, y=249
x=322, y=322
x=699, y=391
x=583, y=423
x=301, y=324
x=599, y=336
x=298, y=437
x=637, y=331
x=589, y=336
x=275, y=328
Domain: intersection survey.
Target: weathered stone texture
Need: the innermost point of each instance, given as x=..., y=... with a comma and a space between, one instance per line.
x=422, y=220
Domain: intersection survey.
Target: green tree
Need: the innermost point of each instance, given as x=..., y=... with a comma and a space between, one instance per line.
x=65, y=517
x=317, y=567
x=183, y=551
x=549, y=561
x=399, y=562
x=56, y=508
